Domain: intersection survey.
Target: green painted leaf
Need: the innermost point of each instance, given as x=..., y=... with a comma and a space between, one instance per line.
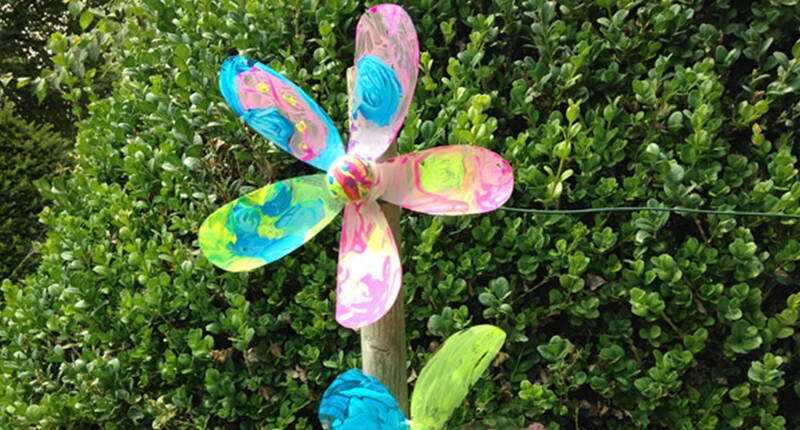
x=446, y=378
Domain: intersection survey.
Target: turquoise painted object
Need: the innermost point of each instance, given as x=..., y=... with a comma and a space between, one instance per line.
x=282, y=112
x=355, y=401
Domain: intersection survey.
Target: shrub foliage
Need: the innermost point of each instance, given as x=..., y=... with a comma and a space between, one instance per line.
x=615, y=320
x=28, y=152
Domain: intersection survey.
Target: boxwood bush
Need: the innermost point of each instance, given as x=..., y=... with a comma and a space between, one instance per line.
x=615, y=320
x=28, y=152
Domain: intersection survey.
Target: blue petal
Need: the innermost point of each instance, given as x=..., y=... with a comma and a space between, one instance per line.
x=355, y=401
x=275, y=125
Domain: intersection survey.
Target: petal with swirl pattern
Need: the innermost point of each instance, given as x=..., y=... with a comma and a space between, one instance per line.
x=448, y=180
x=268, y=223
x=280, y=111
x=383, y=78
x=369, y=266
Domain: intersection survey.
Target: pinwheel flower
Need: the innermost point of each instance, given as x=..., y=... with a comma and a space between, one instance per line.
x=355, y=401
x=272, y=221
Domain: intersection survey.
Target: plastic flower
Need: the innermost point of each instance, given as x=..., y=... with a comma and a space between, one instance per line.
x=268, y=223
x=355, y=401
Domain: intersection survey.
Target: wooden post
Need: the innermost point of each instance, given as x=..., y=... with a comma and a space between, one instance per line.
x=383, y=344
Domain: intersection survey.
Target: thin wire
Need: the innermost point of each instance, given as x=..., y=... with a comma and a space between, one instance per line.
x=647, y=208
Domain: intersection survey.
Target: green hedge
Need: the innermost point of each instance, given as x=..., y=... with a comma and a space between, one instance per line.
x=615, y=321
x=28, y=152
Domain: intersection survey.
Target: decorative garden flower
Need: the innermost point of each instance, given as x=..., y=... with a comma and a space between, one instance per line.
x=272, y=221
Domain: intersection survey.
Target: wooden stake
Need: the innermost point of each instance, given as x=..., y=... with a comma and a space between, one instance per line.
x=383, y=344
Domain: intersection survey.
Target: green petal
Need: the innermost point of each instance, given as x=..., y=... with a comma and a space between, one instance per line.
x=445, y=380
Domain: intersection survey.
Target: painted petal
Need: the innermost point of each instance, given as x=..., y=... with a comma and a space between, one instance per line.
x=268, y=223
x=280, y=111
x=448, y=180
x=355, y=401
x=381, y=84
x=369, y=266
x=447, y=377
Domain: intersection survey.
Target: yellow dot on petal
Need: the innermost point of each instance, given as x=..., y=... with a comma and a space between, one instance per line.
x=261, y=86
x=289, y=99
x=300, y=126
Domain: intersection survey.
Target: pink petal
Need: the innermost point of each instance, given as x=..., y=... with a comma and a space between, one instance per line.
x=386, y=32
x=448, y=180
x=369, y=266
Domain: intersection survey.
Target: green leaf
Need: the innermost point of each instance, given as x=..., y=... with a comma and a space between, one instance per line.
x=676, y=173
x=192, y=163
x=573, y=111
x=743, y=338
x=675, y=121
x=766, y=375
x=182, y=52
x=75, y=7
x=556, y=350
x=183, y=79
x=446, y=378
x=86, y=19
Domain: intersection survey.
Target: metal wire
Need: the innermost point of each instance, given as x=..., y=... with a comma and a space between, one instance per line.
x=647, y=208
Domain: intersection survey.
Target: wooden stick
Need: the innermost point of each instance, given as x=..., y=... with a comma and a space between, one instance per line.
x=383, y=344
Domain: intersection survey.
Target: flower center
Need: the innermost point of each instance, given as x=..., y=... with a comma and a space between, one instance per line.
x=351, y=178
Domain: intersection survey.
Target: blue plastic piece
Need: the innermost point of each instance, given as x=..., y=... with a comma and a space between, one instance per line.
x=355, y=401
x=273, y=124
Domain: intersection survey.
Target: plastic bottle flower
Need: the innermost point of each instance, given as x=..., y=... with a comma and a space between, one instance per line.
x=272, y=221
x=355, y=401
